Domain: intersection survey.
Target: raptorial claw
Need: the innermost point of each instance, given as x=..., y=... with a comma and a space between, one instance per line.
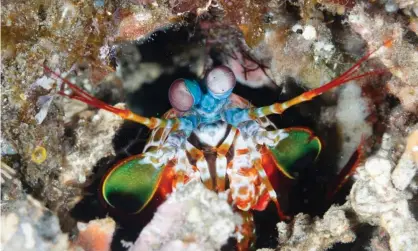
x=133, y=183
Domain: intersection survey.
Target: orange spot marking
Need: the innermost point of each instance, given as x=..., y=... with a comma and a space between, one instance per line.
x=208, y=184
x=176, y=126
x=186, y=179
x=179, y=178
x=252, y=113
x=248, y=172
x=195, y=169
x=153, y=123
x=388, y=43
x=220, y=184
x=243, y=151
x=243, y=190
x=277, y=107
x=223, y=149
x=196, y=154
x=244, y=28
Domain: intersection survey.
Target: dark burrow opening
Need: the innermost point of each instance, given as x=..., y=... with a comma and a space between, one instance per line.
x=306, y=193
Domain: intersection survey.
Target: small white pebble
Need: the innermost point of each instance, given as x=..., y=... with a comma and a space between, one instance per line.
x=95, y=118
x=309, y=33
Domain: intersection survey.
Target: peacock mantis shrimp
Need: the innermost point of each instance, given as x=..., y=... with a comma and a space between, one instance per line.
x=215, y=136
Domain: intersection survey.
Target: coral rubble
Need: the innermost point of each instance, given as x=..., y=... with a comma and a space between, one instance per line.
x=401, y=58
x=192, y=218
x=317, y=234
x=379, y=197
x=30, y=226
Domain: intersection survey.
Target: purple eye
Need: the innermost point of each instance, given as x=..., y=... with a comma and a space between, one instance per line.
x=180, y=97
x=220, y=80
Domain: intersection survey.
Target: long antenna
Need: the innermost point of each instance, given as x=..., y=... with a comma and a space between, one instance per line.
x=78, y=94
x=349, y=75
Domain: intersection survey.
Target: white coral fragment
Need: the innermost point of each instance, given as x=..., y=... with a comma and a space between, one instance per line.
x=317, y=234
x=94, y=141
x=379, y=198
x=30, y=226
x=192, y=218
x=309, y=33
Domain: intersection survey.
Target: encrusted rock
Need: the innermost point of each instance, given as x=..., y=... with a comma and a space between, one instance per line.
x=192, y=218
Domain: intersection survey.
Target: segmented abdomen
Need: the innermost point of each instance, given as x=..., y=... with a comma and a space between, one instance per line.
x=220, y=157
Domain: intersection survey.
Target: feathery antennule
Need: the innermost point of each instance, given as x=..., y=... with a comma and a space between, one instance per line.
x=78, y=94
x=347, y=76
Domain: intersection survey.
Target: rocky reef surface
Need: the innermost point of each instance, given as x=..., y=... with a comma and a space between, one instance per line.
x=127, y=52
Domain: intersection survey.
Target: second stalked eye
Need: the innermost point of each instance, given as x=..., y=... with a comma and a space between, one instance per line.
x=180, y=97
x=220, y=80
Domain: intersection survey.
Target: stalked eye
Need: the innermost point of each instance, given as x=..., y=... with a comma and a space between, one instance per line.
x=180, y=97
x=220, y=80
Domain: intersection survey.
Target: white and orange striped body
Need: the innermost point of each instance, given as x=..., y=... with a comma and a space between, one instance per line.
x=221, y=157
